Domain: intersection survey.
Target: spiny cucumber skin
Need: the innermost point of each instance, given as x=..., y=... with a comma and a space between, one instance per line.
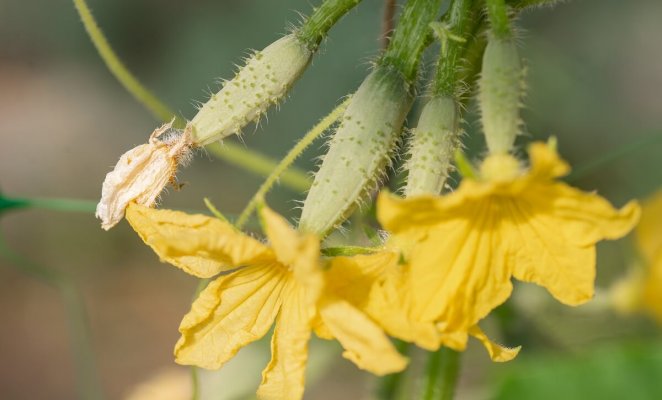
x=501, y=88
x=433, y=144
x=359, y=150
x=261, y=83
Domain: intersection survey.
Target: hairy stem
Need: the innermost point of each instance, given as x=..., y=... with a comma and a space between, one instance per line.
x=458, y=24
x=315, y=27
x=497, y=13
x=410, y=36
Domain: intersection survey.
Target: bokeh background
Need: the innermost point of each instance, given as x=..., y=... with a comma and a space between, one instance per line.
x=594, y=81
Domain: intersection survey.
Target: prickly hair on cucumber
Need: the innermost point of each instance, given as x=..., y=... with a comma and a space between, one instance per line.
x=260, y=83
x=266, y=77
x=363, y=143
x=359, y=150
x=501, y=85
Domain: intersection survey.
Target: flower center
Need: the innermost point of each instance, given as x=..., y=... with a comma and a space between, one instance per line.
x=500, y=168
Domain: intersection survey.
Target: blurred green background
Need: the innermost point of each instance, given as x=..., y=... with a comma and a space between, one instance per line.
x=594, y=81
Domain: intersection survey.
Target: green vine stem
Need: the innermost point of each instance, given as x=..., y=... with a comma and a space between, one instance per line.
x=410, y=37
x=389, y=386
x=87, y=381
x=454, y=33
x=497, y=13
x=117, y=68
x=234, y=154
x=53, y=204
x=306, y=141
x=441, y=375
x=315, y=27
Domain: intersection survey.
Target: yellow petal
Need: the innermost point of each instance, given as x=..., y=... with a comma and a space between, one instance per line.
x=390, y=305
x=284, y=377
x=364, y=342
x=461, y=270
x=397, y=215
x=584, y=218
x=352, y=278
x=545, y=162
x=376, y=285
x=497, y=352
x=558, y=227
x=627, y=294
x=231, y=312
x=198, y=244
x=300, y=252
x=649, y=231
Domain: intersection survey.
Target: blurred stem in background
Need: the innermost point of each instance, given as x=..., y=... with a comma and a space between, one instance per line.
x=390, y=386
x=53, y=204
x=87, y=380
x=387, y=21
x=441, y=373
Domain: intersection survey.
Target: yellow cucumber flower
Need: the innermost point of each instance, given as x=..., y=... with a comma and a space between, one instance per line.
x=641, y=289
x=463, y=248
x=259, y=284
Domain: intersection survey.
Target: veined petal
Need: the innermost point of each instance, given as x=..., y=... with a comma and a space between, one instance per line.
x=497, y=352
x=583, y=218
x=352, y=278
x=298, y=251
x=418, y=213
x=231, y=312
x=541, y=254
x=364, y=342
x=284, y=377
x=200, y=245
x=554, y=246
x=461, y=271
x=377, y=285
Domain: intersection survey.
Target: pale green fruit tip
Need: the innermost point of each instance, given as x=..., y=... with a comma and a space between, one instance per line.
x=432, y=147
x=260, y=83
x=501, y=88
x=359, y=151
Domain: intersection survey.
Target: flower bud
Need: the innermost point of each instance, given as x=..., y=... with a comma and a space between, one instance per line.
x=359, y=150
x=262, y=82
x=432, y=147
x=501, y=88
x=142, y=172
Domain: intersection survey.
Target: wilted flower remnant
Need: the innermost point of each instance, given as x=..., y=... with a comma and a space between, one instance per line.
x=142, y=172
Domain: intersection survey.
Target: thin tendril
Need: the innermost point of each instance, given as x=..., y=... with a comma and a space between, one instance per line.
x=313, y=134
